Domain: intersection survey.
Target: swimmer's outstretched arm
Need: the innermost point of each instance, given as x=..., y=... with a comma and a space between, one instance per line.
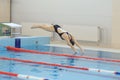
x=39, y=26
x=43, y=26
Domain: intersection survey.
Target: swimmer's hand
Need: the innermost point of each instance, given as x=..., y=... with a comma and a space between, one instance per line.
x=35, y=26
x=32, y=27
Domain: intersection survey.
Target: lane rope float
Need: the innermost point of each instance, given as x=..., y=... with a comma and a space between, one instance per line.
x=56, y=54
x=21, y=76
x=63, y=66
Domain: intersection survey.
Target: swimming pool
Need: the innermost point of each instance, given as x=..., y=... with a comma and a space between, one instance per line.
x=59, y=72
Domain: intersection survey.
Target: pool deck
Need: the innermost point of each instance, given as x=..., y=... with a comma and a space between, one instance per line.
x=95, y=47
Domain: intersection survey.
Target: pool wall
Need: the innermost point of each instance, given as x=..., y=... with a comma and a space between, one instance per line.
x=24, y=42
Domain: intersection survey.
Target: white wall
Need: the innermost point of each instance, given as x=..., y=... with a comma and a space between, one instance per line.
x=4, y=10
x=71, y=12
x=116, y=24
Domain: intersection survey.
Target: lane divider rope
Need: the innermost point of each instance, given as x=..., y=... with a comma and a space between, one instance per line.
x=57, y=54
x=21, y=76
x=63, y=66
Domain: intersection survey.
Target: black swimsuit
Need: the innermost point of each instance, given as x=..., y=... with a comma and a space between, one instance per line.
x=60, y=34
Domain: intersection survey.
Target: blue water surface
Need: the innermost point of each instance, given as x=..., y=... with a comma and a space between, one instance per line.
x=59, y=73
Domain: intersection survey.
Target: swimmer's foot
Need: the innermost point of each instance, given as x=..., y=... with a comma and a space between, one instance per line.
x=81, y=54
x=75, y=53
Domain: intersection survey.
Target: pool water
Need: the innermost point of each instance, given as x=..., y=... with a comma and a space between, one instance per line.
x=59, y=73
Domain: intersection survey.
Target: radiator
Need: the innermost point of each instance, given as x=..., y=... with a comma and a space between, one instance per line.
x=84, y=33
